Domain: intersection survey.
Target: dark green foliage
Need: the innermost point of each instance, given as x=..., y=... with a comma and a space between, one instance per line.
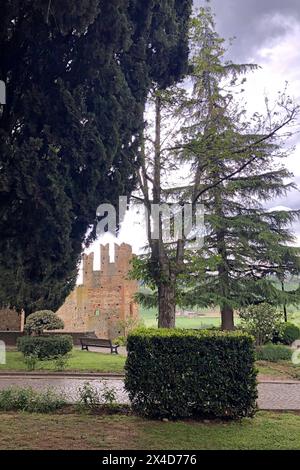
x=179, y=373
x=45, y=347
x=288, y=334
x=32, y=401
x=78, y=73
x=273, y=353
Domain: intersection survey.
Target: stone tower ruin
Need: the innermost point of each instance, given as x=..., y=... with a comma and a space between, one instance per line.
x=104, y=302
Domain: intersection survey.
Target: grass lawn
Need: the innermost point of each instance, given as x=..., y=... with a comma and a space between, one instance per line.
x=79, y=431
x=84, y=361
x=149, y=317
x=281, y=369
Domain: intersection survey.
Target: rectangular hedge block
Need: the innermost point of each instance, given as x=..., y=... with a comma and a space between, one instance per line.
x=181, y=373
x=45, y=347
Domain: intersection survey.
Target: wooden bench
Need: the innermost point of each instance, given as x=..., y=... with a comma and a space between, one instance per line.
x=98, y=343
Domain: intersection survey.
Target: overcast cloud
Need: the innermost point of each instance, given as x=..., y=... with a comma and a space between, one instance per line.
x=267, y=32
x=255, y=23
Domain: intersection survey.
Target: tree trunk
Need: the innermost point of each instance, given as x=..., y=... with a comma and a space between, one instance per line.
x=284, y=306
x=285, y=313
x=223, y=266
x=166, y=305
x=227, y=318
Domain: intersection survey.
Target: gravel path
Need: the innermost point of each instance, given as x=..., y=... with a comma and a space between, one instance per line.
x=271, y=395
x=67, y=385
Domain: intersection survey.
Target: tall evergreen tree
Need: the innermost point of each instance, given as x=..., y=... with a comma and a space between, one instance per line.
x=77, y=74
x=238, y=170
x=232, y=172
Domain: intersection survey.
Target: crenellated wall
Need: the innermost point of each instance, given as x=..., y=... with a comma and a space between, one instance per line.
x=105, y=298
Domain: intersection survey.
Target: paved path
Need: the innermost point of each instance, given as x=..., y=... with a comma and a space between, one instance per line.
x=67, y=385
x=271, y=395
x=279, y=396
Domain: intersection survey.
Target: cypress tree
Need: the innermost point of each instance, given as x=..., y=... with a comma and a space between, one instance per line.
x=77, y=74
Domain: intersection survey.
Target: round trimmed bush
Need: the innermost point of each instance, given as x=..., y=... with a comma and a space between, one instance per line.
x=273, y=353
x=42, y=320
x=289, y=333
x=45, y=347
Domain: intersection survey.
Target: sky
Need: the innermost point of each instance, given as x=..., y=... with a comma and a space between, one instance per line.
x=267, y=33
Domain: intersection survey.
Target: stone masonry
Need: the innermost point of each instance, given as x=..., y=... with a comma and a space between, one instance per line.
x=104, y=302
x=10, y=320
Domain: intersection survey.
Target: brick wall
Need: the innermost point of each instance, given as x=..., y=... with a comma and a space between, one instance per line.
x=10, y=320
x=105, y=299
x=10, y=337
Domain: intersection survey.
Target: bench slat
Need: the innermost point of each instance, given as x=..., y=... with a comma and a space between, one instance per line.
x=98, y=343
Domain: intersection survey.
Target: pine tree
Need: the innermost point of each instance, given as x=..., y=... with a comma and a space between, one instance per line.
x=230, y=159
x=77, y=74
x=238, y=169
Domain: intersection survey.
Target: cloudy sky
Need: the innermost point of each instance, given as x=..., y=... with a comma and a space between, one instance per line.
x=267, y=33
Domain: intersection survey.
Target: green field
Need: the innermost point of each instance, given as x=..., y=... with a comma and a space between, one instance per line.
x=85, y=431
x=149, y=318
x=79, y=361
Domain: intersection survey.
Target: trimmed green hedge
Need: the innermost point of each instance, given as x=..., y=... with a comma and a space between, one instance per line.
x=180, y=373
x=45, y=347
x=286, y=333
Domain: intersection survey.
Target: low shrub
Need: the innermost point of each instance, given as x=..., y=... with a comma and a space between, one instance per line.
x=31, y=362
x=261, y=321
x=32, y=401
x=61, y=362
x=287, y=333
x=109, y=395
x=182, y=373
x=90, y=398
x=45, y=347
x=273, y=353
